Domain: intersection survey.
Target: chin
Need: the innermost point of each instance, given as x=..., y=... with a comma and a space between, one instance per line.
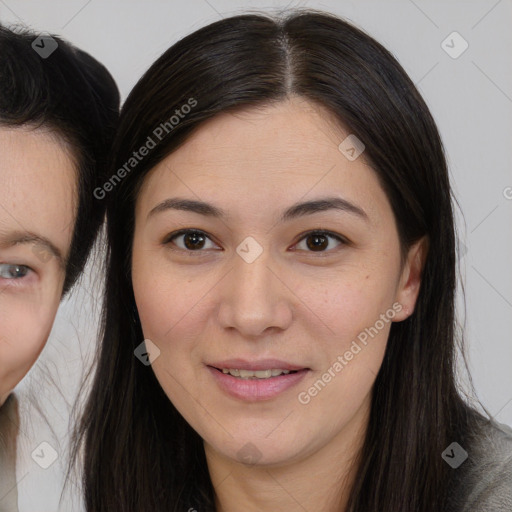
x=255, y=451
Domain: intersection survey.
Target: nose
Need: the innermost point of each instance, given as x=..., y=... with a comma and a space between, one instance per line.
x=255, y=298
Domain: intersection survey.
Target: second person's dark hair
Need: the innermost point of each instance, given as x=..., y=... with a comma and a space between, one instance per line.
x=74, y=95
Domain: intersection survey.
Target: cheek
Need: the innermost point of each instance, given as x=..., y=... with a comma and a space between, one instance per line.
x=169, y=310
x=172, y=313
x=24, y=329
x=164, y=303
x=354, y=311
x=347, y=302
x=359, y=320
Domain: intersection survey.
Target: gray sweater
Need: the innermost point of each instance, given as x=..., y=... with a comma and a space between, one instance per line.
x=483, y=482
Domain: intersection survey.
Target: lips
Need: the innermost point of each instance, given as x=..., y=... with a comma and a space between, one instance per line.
x=249, y=380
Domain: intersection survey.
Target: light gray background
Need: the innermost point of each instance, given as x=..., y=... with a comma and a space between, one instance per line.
x=470, y=98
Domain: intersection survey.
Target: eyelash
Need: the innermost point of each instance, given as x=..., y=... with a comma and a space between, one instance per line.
x=303, y=236
x=24, y=267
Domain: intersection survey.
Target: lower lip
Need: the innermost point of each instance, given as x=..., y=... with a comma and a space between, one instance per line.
x=255, y=390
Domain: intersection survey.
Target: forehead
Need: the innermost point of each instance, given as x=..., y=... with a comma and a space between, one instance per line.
x=37, y=184
x=267, y=154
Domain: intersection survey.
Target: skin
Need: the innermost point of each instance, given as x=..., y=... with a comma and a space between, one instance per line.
x=294, y=303
x=37, y=203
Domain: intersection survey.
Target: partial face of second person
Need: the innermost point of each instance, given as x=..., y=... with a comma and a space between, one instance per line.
x=257, y=289
x=37, y=208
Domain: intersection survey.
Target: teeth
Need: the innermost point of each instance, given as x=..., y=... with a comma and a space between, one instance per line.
x=258, y=374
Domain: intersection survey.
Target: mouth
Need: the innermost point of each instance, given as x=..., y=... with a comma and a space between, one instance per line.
x=255, y=374
x=259, y=381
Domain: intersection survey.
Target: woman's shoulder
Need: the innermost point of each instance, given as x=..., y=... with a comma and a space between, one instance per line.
x=8, y=431
x=486, y=477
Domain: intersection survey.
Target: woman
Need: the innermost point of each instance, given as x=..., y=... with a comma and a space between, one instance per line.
x=282, y=239
x=58, y=111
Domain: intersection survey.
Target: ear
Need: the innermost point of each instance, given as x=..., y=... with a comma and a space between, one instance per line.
x=410, y=280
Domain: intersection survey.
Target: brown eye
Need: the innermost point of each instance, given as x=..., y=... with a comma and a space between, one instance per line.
x=315, y=242
x=189, y=240
x=193, y=241
x=318, y=241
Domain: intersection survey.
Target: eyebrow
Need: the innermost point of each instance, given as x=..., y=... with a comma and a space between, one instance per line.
x=293, y=212
x=26, y=237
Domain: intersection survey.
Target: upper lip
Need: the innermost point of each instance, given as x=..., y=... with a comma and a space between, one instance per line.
x=262, y=364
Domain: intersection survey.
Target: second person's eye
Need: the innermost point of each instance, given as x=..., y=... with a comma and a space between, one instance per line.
x=13, y=271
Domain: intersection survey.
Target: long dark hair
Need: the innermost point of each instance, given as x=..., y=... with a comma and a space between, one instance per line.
x=71, y=93
x=138, y=451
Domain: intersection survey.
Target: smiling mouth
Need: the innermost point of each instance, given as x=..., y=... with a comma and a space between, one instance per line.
x=257, y=383
x=255, y=374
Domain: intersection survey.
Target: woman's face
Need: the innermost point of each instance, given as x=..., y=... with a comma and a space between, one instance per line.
x=37, y=187
x=256, y=291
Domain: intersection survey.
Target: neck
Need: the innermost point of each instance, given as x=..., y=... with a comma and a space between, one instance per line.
x=321, y=480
